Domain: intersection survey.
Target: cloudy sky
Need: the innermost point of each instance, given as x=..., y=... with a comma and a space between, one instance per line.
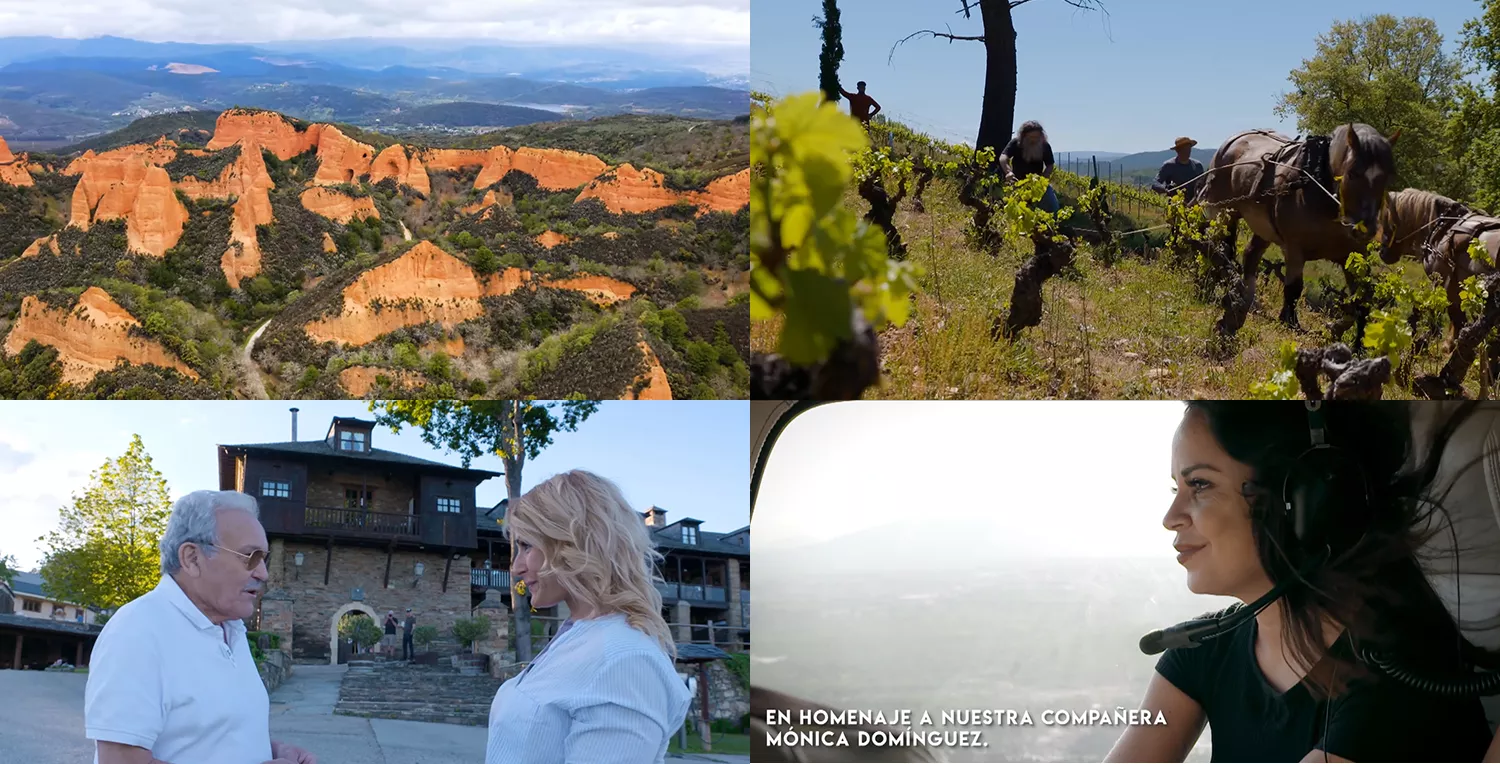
x=612, y=23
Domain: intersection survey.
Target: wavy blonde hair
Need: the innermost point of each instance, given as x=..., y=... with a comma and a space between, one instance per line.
x=595, y=546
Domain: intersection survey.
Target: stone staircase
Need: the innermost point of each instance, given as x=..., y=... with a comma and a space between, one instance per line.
x=397, y=690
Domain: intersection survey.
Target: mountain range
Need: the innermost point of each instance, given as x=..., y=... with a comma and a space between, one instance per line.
x=55, y=91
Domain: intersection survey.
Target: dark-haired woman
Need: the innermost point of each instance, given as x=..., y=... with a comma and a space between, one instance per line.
x=1287, y=685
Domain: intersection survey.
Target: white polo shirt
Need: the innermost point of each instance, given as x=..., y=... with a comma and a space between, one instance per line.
x=163, y=678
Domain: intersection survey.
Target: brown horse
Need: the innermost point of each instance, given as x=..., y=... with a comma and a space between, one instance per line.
x=1437, y=231
x=1313, y=206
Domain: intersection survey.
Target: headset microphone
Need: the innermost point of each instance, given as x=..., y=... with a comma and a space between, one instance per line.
x=1199, y=630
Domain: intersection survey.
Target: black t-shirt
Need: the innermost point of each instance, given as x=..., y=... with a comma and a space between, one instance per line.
x=1019, y=165
x=1376, y=719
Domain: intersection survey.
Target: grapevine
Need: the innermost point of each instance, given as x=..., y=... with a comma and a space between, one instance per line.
x=814, y=263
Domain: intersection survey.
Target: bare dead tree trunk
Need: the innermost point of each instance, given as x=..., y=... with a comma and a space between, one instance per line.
x=999, y=110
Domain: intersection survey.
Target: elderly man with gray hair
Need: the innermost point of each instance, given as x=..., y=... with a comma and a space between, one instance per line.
x=172, y=680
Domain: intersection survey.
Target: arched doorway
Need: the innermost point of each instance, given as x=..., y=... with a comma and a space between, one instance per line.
x=333, y=627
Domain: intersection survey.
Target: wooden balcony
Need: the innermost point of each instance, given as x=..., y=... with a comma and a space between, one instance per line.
x=362, y=522
x=482, y=578
x=672, y=590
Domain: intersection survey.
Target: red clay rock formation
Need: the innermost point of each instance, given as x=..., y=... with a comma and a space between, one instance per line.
x=13, y=168
x=657, y=387
x=114, y=174
x=491, y=199
x=338, y=206
x=431, y=284
x=36, y=246
x=91, y=337
x=393, y=163
x=453, y=346
x=156, y=217
x=556, y=170
x=642, y=190
x=341, y=159
x=428, y=284
x=505, y=282
x=249, y=180
x=328, y=245
x=730, y=193
x=359, y=380
x=264, y=130
x=603, y=290
x=550, y=239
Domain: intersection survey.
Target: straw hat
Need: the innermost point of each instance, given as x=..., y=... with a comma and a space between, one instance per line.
x=1184, y=141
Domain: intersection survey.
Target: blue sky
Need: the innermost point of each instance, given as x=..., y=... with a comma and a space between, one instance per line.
x=688, y=457
x=1134, y=81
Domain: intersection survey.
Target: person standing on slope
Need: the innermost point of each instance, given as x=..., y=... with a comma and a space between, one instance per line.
x=1184, y=173
x=860, y=104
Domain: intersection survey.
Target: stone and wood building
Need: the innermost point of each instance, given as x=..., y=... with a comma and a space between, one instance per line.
x=356, y=529
x=31, y=642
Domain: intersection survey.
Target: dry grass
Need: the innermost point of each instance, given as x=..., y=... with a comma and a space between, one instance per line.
x=1132, y=330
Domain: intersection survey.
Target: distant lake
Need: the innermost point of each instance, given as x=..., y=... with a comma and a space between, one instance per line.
x=1039, y=635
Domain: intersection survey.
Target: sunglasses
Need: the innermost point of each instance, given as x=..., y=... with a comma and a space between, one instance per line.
x=252, y=560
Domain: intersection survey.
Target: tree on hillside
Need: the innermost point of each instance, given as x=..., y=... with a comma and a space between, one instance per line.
x=997, y=115
x=105, y=553
x=1390, y=73
x=513, y=430
x=833, y=50
x=1474, y=129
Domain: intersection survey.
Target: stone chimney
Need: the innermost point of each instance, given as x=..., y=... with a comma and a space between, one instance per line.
x=656, y=517
x=294, y=424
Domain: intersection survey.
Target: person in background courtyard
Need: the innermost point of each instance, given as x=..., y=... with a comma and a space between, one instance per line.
x=407, y=651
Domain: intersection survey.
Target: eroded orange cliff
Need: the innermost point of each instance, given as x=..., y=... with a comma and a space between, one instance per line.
x=263, y=129
x=359, y=380
x=393, y=163
x=637, y=190
x=425, y=284
x=336, y=205
x=655, y=378
x=13, y=168
x=341, y=159
x=90, y=337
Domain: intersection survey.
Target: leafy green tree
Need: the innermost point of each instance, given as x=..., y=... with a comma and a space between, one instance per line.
x=1474, y=130
x=512, y=430
x=105, y=551
x=1389, y=73
x=33, y=373
x=8, y=569
x=467, y=630
x=484, y=261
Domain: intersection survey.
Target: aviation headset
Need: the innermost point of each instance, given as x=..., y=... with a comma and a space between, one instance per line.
x=1316, y=499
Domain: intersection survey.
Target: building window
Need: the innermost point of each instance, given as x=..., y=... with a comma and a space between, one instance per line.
x=351, y=441
x=355, y=498
x=275, y=489
x=689, y=534
x=449, y=504
x=31, y=606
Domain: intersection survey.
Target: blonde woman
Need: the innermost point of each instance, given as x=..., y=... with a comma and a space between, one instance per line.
x=604, y=690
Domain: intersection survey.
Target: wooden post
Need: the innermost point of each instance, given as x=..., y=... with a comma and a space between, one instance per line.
x=78, y=654
x=703, y=729
x=16, y=664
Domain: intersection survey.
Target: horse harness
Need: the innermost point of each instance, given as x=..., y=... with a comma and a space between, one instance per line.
x=1313, y=164
x=1442, y=247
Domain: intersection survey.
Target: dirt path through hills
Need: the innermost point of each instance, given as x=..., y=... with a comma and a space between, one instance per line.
x=253, y=381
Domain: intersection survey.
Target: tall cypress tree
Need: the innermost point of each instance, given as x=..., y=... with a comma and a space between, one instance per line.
x=833, y=50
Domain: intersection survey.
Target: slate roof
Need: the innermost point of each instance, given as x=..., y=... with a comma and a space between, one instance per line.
x=665, y=537
x=376, y=455
x=49, y=625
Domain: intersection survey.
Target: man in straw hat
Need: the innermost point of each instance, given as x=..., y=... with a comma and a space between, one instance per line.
x=1184, y=173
